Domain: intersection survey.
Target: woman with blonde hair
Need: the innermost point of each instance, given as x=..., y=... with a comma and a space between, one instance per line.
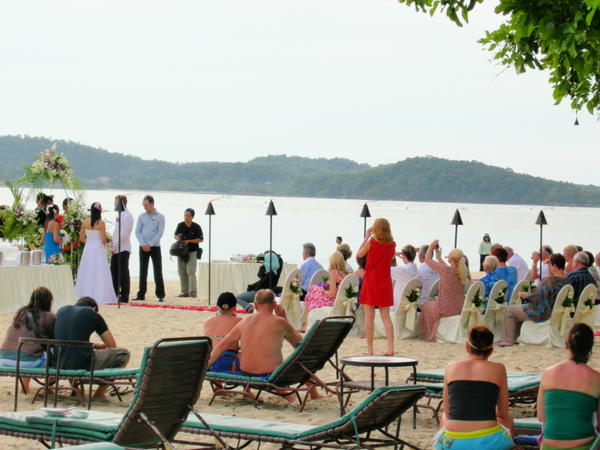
x=379, y=248
x=569, y=253
x=453, y=278
x=323, y=294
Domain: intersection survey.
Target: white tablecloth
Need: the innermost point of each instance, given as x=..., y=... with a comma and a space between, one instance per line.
x=232, y=277
x=17, y=283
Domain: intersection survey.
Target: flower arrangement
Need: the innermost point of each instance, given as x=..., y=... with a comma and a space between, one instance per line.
x=295, y=287
x=502, y=296
x=17, y=222
x=49, y=168
x=57, y=259
x=477, y=300
x=526, y=287
x=591, y=300
x=350, y=292
x=414, y=295
x=73, y=217
x=568, y=301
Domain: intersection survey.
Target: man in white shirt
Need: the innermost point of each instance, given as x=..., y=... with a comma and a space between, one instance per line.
x=427, y=274
x=119, y=263
x=516, y=261
x=401, y=274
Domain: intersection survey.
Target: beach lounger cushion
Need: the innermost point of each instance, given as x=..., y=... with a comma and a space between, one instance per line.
x=102, y=373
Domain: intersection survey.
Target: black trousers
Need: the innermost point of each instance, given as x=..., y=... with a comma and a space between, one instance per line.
x=122, y=258
x=154, y=253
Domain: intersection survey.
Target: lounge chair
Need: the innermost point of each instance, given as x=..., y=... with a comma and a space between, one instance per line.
x=168, y=386
x=381, y=408
x=46, y=376
x=551, y=332
x=318, y=346
x=522, y=388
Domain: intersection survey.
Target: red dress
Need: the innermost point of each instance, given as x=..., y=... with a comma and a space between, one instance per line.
x=377, y=283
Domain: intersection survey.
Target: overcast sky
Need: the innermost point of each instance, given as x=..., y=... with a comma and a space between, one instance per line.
x=370, y=80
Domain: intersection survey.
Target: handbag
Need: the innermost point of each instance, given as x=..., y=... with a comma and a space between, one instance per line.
x=199, y=253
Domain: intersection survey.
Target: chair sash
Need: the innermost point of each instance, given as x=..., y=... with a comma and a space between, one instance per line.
x=348, y=305
x=473, y=315
x=497, y=311
x=586, y=315
x=562, y=316
x=410, y=314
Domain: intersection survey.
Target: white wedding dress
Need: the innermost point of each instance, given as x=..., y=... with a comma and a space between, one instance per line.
x=93, y=277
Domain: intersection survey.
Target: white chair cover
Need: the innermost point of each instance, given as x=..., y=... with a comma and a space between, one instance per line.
x=453, y=329
x=585, y=313
x=290, y=302
x=435, y=289
x=494, y=315
x=551, y=332
x=343, y=306
x=317, y=277
x=404, y=318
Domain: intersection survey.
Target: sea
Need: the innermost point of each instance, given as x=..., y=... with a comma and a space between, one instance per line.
x=241, y=226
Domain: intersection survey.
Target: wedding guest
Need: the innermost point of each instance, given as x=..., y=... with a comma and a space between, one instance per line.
x=580, y=276
x=190, y=233
x=309, y=266
x=268, y=275
x=591, y=268
x=476, y=398
x=490, y=263
x=402, y=274
x=503, y=272
x=568, y=395
x=35, y=320
x=453, y=278
x=42, y=201
x=427, y=274
x=376, y=291
x=338, y=240
x=515, y=260
x=121, y=249
x=344, y=249
x=323, y=294
x=484, y=249
x=50, y=238
x=569, y=253
x=77, y=323
x=535, y=257
x=537, y=305
x=149, y=230
x=217, y=327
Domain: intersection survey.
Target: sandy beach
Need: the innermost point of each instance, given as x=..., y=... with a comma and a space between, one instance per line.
x=136, y=327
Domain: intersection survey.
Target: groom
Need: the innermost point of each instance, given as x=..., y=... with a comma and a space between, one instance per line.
x=119, y=263
x=149, y=229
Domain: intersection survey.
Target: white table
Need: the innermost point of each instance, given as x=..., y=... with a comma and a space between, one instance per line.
x=231, y=276
x=17, y=283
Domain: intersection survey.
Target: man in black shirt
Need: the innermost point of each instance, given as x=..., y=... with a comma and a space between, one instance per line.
x=77, y=323
x=190, y=234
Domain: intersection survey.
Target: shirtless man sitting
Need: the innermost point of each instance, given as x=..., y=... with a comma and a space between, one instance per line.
x=218, y=327
x=260, y=337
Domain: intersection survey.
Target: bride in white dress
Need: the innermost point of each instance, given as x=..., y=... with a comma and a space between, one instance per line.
x=93, y=277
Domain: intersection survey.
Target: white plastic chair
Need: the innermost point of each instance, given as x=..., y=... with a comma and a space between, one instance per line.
x=317, y=277
x=453, y=329
x=494, y=314
x=290, y=302
x=584, y=313
x=342, y=306
x=550, y=332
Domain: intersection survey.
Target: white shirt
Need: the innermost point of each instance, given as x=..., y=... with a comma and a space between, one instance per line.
x=518, y=263
x=401, y=275
x=428, y=277
x=125, y=236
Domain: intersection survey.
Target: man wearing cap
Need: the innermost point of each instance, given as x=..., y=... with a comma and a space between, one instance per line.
x=217, y=327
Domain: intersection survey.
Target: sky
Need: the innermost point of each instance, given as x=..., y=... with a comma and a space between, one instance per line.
x=370, y=80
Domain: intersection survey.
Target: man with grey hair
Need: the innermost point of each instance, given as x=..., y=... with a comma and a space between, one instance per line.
x=515, y=260
x=310, y=264
x=580, y=277
x=427, y=274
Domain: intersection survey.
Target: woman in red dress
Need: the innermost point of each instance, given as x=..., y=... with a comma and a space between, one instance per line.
x=379, y=248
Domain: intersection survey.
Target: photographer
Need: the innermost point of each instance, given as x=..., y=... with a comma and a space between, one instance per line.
x=190, y=235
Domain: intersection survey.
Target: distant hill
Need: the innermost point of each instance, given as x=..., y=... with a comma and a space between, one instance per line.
x=415, y=179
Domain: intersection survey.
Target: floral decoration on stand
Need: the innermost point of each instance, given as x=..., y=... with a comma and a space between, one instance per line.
x=18, y=223
x=414, y=295
x=49, y=168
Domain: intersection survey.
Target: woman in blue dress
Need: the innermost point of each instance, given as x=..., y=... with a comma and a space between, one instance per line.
x=50, y=237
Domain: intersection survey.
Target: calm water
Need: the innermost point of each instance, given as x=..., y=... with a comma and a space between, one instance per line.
x=241, y=226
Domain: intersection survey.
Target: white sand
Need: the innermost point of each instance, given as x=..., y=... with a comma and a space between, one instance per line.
x=135, y=327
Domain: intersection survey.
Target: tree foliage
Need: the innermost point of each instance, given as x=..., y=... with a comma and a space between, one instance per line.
x=415, y=179
x=561, y=36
